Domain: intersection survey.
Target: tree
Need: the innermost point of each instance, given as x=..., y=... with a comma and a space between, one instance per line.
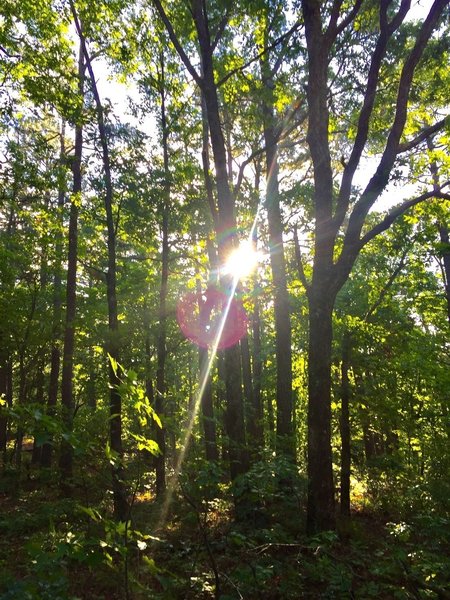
x=285, y=441
x=66, y=451
x=226, y=218
x=336, y=215
x=119, y=493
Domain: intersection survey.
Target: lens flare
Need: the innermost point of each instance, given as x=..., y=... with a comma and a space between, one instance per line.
x=214, y=340
x=212, y=318
x=241, y=261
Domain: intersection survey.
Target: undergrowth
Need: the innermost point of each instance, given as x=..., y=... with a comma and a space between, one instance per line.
x=62, y=549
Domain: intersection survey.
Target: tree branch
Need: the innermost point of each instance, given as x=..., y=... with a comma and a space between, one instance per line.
x=334, y=29
x=381, y=177
x=400, y=210
x=278, y=41
x=299, y=261
x=362, y=131
x=426, y=133
x=281, y=134
x=220, y=30
x=8, y=54
x=246, y=162
x=178, y=47
x=384, y=290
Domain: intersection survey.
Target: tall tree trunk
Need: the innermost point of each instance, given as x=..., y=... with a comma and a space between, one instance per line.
x=42, y=360
x=121, y=509
x=149, y=387
x=345, y=426
x=443, y=233
x=39, y=399
x=21, y=400
x=161, y=351
x=247, y=380
x=255, y=424
x=285, y=440
x=55, y=355
x=3, y=392
x=234, y=417
x=321, y=293
x=445, y=241
x=66, y=451
x=320, y=510
x=206, y=403
x=207, y=406
x=226, y=220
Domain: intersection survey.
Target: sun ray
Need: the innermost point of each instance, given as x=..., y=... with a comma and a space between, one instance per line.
x=203, y=381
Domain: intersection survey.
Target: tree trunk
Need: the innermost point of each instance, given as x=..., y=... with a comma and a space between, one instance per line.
x=321, y=510
x=161, y=351
x=121, y=509
x=21, y=400
x=66, y=451
x=226, y=227
x=247, y=381
x=443, y=233
x=207, y=406
x=55, y=356
x=256, y=418
x=39, y=400
x=345, y=426
x=3, y=393
x=256, y=426
x=444, y=237
x=284, y=440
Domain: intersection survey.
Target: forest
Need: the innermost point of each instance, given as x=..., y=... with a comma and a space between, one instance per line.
x=225, y=299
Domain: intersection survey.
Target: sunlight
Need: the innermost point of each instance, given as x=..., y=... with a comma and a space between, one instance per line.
x=241, y=261
x=196, y=409
x=248, y=257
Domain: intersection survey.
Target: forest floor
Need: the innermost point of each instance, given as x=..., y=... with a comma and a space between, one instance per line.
x=52, y=548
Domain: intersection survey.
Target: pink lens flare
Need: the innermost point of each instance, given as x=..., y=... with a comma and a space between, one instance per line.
x=201, y=316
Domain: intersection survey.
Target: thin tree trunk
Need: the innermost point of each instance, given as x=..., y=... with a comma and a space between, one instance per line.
x=345, y=426
x=3, y=392
x=207, y=404
x=209, y=424
x=255, y=423
x=55, y=356
x=21, y=400
x=67, y=403
x=284, y=440
x=161, y=351
x=121, y=509
x=4, y=362
x=443, y=233
x=39, y=400
x=256, y=419
x=247, y=380
x=444, y=237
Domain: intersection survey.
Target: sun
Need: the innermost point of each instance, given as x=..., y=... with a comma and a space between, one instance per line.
x=242, y=261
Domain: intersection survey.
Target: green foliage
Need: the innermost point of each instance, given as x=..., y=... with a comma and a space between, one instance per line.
x=398, y=372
